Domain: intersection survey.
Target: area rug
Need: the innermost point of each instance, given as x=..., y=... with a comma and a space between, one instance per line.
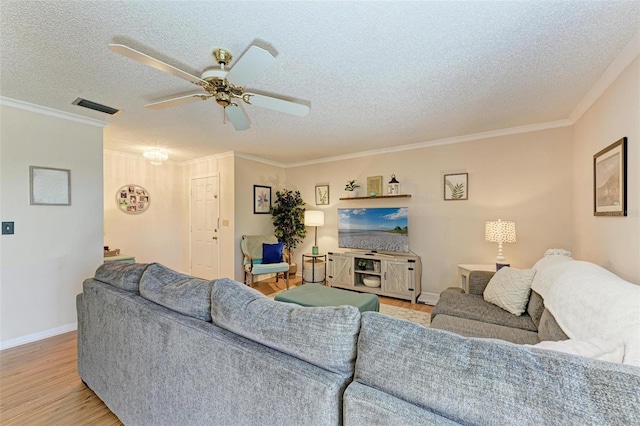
x=419, y=317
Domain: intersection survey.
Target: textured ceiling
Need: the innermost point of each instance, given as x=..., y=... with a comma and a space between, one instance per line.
x=376, y=74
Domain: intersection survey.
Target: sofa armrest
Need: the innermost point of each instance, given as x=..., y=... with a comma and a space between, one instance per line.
x=478, y=281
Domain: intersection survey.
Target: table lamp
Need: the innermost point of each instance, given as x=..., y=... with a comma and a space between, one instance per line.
x=499, y=231
x=314, y=218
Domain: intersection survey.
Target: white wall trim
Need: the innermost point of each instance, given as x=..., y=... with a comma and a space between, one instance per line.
x=446, y=141
x=619, y=64
x=260, y=160
x=38, y=336
x=207, y=158
x=14, y=103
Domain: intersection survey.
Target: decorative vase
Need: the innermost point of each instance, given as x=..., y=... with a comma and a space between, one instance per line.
x=352, y=194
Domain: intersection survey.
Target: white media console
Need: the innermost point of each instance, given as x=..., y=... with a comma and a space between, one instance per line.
x=399, y=275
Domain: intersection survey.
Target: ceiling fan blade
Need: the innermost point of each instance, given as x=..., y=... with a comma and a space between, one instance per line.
x=276, y=104
x=236, y=115
x=250, y=65
x=181, y=100
x=155, y=63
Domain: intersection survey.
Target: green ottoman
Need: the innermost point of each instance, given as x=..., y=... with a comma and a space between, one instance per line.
x=319, y=295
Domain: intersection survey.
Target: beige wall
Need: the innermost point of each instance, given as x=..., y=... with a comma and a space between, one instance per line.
x=248, y=173
x=160, y=234
x=54, y=247
x=525, y=178
x=612, y=242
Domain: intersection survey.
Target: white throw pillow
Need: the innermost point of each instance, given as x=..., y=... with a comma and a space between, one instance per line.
x=595, y=348
x=509, y=289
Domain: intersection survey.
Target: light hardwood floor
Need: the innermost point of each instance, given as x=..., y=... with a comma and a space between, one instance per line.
x=39, y=382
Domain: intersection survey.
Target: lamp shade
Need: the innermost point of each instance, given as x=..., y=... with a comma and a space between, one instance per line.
x=313, y=218
x=500, y=231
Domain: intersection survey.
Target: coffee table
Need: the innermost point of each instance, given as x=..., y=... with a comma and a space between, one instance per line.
x=314, y=295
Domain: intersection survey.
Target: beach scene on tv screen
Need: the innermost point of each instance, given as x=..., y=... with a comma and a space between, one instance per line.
x=376, y=229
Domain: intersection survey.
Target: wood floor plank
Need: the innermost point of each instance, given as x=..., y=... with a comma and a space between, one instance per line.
x=39, y=382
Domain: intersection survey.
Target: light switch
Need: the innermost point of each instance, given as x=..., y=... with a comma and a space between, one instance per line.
x=225, y=222
x=7, y=228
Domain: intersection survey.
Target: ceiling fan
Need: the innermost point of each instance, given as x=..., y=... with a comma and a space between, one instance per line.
x=225, y=86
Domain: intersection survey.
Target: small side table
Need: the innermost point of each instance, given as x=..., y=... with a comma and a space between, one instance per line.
x=465, y=270
x=314, y=268
x=120, y=258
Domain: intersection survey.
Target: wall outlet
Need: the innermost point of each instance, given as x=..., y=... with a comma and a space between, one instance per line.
x=7, y=228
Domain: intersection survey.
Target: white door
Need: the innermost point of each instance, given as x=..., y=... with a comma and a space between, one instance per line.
x=204, y=227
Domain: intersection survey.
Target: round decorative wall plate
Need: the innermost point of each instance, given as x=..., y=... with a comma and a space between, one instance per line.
x=133, y=199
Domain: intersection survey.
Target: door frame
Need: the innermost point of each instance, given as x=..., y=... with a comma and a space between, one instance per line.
x=191, y=179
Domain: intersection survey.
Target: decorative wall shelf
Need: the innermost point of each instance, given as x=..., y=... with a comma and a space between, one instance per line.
x=377, y=196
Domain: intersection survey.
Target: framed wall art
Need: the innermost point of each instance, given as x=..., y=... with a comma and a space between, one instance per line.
x=261, y=199
x=610, y=180
x=322, y=195
x=133, y=199
x=374, y=186
x=49, y=186
x=456, y=187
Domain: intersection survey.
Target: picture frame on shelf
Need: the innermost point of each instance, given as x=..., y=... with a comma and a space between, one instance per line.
x=456, y=187
x=261, y=199
x=49, y=186
x=374, y=186
x=322, y=195
x=610, y=180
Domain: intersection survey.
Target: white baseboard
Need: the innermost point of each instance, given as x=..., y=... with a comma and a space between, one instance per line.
x=38, y=336
x=428, y=298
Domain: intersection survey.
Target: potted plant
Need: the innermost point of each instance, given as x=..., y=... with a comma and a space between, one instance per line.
x=287, y=214
x=362, y=264
x=351, y=187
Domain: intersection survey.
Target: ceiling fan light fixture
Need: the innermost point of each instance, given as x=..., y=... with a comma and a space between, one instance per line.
x=155, y=156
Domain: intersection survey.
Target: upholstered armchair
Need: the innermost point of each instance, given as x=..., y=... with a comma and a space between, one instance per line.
x=263, y=254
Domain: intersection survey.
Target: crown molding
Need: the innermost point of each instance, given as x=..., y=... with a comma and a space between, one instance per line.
x=207, y=158
x=260, y=160
x=14, y=103
x=437, y=142
x=619, y=64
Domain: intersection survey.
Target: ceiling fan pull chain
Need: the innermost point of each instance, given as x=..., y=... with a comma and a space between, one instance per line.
x=224, y=115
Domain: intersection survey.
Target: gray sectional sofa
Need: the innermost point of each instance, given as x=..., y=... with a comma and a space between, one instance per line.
x=163, y=348
x=471, y=316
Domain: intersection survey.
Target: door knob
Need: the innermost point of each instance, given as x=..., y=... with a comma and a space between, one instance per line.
x=214, y=238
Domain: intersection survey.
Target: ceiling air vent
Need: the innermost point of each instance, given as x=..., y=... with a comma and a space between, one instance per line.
x=95, y=106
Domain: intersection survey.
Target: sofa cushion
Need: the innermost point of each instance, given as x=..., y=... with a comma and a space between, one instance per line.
x=509, y=288
x=121, y=274
x=549, y=328
x=535, y=307
x=324, y=336
x=472, y=328
x=474, y=307
x=489, y=382
x=179, y=292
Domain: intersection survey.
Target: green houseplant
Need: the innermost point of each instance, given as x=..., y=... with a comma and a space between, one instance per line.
x=351, y=187
x=287, y=213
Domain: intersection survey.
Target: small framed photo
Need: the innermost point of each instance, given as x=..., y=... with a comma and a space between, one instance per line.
x=456, y=187
x=49, y=186
x=610, y=180
x=322, y=195
x=374, y=186
x=261, y=199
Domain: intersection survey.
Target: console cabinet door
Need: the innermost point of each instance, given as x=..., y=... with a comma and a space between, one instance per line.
x=341, y=268
x=397, y=278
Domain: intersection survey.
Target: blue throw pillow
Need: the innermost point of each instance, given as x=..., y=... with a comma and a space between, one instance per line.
x=272, y=253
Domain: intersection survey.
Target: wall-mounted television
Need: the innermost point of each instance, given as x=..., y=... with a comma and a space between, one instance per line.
x=383, y=229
